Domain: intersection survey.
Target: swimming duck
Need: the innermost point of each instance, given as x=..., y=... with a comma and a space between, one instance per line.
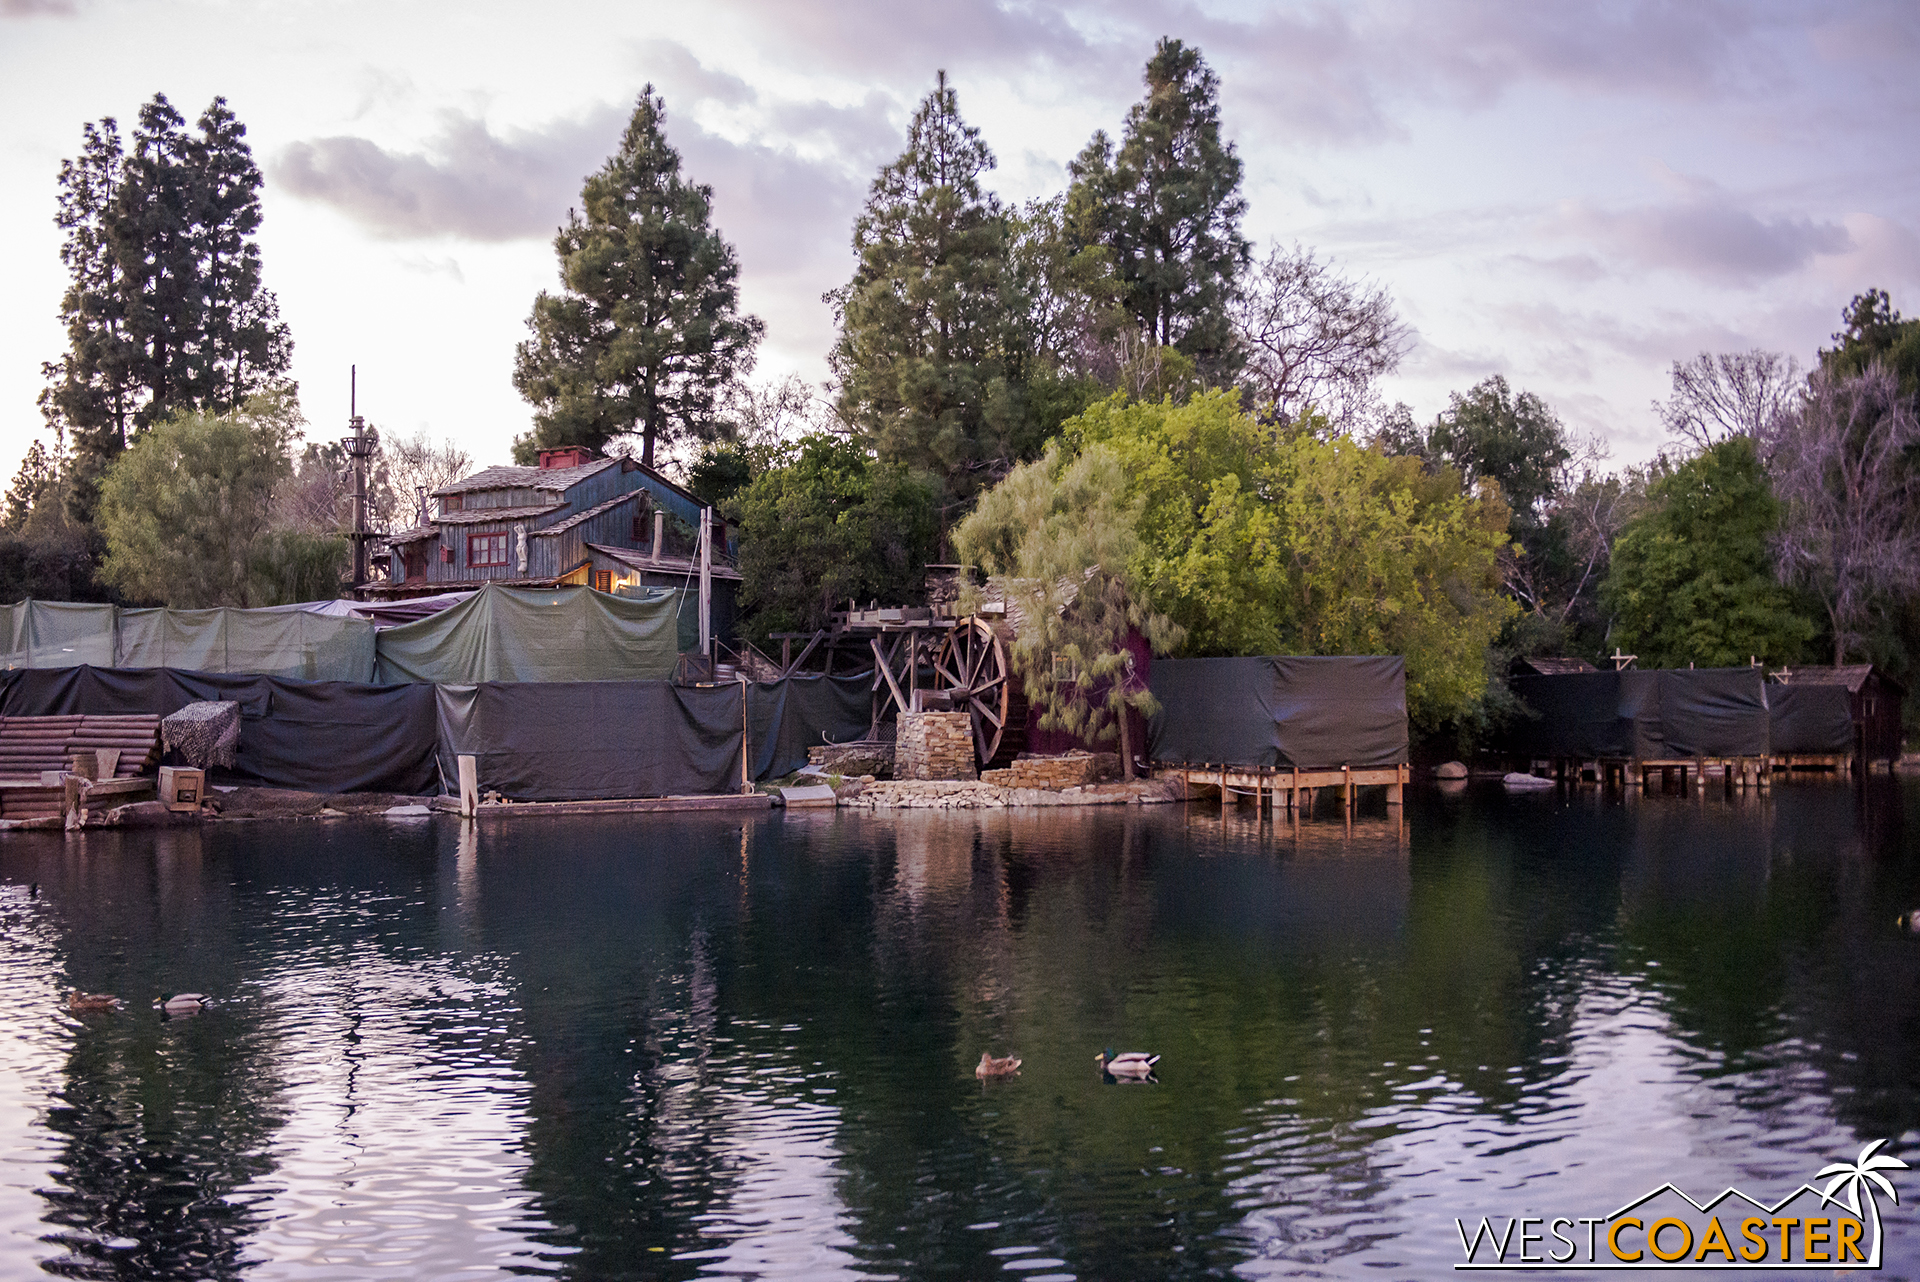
x=79, y=1001
x=990, y=1066
x=1909, y=921
x=1137, y=1064
x=181, y=1003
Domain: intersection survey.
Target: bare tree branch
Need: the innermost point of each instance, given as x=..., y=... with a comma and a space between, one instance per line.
x=1315, y=338
x=1732, y=394
x=1840, y=463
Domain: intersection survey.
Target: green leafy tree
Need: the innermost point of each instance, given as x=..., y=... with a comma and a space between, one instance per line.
x=185, y=507
x=287, y=565
x=165, y=310
x=1692, y=578
x=1515, y=441
x=44, y=553
x=646, y=334
x=1059, y=538
x=1265, y=543
x=1166, y=205
x=829, y=523
x=1874, y=333
x=924, y=359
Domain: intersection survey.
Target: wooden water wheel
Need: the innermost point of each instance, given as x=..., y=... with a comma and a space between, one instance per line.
x=973, y=670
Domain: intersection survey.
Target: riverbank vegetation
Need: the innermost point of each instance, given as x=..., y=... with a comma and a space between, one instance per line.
x=1110, y=389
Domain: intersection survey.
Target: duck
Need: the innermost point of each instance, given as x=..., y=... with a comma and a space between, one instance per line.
x=991, y=1066
x=1135, y=1064
x=79, y=1001
x=1909, y=921
x=182, y=1003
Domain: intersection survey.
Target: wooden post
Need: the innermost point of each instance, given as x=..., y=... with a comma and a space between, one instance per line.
x=1396, y=791
x=1293, y=794
x=1346, y=789
x=746, y=779
x=469, y=784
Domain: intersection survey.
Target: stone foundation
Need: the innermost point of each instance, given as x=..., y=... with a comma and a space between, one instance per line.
x=934, y=745
x=1065, y=770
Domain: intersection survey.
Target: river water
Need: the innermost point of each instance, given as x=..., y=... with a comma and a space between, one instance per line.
x=675, y=1047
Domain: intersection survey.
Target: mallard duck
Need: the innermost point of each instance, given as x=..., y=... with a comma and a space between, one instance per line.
x=181, y=1003
x=1909, y=921
x=1127, y=1063
x=989, y=1066
x=79, y=1001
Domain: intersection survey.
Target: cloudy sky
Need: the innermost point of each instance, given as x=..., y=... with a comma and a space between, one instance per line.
x=1572, y=195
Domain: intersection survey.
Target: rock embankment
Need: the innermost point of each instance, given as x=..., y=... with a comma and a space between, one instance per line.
x=903, y=794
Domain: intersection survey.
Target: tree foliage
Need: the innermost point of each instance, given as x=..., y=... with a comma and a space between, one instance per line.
x=1692, y=578
x=1843, y=464
x=184, y=508
x=1166, y=205
x=928, y=358
x=1513, y=440
x=827, y=524
x=165, y=311
x=1058, y=536
x=1875, y=333
x=1259, y=542
x=646, y=334
x=1314, y=340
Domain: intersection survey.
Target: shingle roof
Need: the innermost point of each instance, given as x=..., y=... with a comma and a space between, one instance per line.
x=1548, y=666
x=414, y=535
x=665, y=565
x=561, y=527
x=1852, y=676
x=482, y=515
x=506, y=476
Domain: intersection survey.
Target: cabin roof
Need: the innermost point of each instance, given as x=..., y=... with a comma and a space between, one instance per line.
x=482, y=515
x=417, y=534
x=665, y=565
x=1550, y=666
x=561, y=527
x=507, y=476
x=1852, y=676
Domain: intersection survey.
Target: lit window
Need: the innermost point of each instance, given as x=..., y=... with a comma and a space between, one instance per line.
x=487, y=549
x=603, y=580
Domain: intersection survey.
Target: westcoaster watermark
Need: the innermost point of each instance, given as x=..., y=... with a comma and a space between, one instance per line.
x=1666, y=1229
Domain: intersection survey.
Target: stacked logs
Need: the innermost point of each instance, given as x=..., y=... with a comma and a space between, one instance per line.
x=29, y=745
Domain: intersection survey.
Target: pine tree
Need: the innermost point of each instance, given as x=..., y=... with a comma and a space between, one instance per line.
x=165, y=312
x=646, y=333
x=1167, y=205
x=923, y=358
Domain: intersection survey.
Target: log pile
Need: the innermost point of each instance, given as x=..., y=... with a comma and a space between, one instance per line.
x=29, y=745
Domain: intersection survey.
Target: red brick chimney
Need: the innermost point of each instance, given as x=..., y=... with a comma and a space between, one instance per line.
x=571, y=456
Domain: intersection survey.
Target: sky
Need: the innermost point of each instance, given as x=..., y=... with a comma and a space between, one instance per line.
x=1572, y=195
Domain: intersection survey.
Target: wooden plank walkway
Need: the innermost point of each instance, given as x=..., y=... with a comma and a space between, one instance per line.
x=615, y=806
x=1280, y=786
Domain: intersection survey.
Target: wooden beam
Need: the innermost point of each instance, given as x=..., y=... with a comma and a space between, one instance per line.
x=886, y=670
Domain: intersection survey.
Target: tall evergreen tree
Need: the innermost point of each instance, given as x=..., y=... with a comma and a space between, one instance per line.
x=646, y=333
x=1167, y=205
x=924, y=359
x=165, y=311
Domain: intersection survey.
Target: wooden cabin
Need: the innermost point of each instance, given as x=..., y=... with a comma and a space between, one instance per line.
x=1874, y=699
x=606, y=523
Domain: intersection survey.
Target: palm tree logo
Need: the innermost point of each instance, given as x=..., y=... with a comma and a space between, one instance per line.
x=1863, y=1175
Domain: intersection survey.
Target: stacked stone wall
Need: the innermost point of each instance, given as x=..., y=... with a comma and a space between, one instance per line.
x=934, y=745
x=857, y=757
x=1065, y=770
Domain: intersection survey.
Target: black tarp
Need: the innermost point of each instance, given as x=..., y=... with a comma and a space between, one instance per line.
x=1657, y=715
x=580, y=740
x=1281, y=710
x=1811, y=719
x=787, y=717
x=318, y=736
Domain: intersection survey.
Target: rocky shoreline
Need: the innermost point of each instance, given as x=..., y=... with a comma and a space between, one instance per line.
x=912, y=794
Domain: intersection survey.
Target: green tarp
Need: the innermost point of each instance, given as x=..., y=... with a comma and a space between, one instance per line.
x=274, y=643
x=519, y=634
x=304, y=646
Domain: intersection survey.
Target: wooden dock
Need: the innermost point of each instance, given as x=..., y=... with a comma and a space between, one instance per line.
x=1280, y=787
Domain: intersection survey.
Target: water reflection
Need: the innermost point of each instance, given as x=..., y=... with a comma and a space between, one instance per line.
x=678, y=1046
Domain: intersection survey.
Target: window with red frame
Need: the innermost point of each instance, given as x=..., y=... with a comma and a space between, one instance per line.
x=486, y=549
